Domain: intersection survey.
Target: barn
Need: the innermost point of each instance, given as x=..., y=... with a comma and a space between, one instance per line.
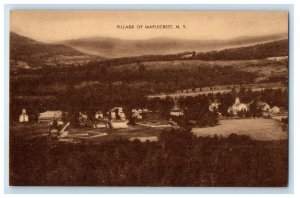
x=48, y=116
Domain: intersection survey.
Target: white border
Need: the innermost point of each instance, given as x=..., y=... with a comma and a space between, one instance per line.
x=296, y=70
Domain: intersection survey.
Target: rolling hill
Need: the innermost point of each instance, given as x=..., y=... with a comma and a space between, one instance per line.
x=28, y=53
x=259, y=51
x=116, y=48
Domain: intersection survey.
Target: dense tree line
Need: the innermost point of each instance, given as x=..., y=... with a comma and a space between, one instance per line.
x=177, y=159
x=126, y=88
x=153, y=81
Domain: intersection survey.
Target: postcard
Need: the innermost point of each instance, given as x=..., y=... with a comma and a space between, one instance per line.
x=148, y=98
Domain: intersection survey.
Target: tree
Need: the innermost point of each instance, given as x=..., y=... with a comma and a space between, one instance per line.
x=142, y=68
x=255, y=110
x=166, y=106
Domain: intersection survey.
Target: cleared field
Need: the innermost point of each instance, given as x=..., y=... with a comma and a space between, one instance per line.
x=29, y=130
x=192, y=64
x=36, y=130
x=131, y=132
x=258, y=129
x=222, y=91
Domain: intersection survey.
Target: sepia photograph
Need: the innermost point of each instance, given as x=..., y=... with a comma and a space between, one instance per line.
x=149, y=98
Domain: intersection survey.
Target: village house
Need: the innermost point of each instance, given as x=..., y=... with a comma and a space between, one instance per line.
x=214, y=106
x=99, y=115
x=23, y=117
x=48, y=116
x=136, y=114
x=100, y=122
x=145, y=110
x=83, y=119
x=176, y=111
x=118, y=118
x=265, y=107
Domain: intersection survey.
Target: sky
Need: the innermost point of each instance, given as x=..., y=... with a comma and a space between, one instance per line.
x=55, y=26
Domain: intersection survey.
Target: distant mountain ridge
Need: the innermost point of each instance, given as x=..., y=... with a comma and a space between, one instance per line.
x=116, y=48
x=278, y=48
x=28, y=53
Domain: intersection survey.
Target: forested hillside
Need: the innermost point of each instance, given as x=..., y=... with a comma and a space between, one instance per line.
x=28, y=53
x=260, y=51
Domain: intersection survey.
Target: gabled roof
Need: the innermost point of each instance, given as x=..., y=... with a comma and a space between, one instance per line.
x=50, y=114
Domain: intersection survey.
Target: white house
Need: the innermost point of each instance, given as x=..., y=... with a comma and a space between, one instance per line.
x=237, y=107
x=23, y=117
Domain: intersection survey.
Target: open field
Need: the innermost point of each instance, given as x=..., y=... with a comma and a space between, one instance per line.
x=131, y=132
x=257, y=129
x=264, y=68
x=87, y=134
